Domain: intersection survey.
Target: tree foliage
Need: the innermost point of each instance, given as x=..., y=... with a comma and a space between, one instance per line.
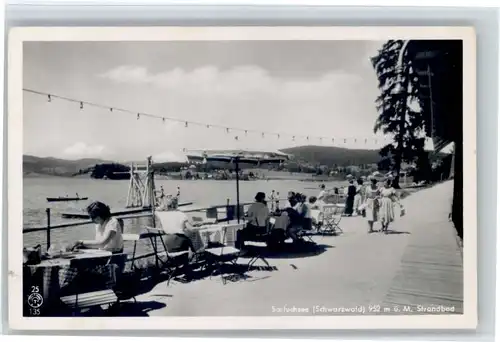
x=399, y=111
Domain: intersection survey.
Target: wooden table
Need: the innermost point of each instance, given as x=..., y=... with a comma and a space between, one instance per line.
x=50, y=276
x=69, y=261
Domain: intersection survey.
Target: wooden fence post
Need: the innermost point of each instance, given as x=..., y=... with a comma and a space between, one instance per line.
x=48, y=227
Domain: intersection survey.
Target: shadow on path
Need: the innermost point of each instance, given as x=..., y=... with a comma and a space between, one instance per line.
x=391, y=232
x=289, y=250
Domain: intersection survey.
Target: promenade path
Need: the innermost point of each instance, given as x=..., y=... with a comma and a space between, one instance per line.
x=420, y=263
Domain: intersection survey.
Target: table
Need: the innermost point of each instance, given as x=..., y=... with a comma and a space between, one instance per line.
x=51, y=276
x=215, y=233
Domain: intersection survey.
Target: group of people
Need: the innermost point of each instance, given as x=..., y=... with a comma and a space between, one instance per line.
x=296, y=213
x=374, y=202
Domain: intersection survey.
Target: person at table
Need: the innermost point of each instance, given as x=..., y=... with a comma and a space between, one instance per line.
x=295, y=219
x=258, y=220
x=314, y=211
x=321, y=198
x=349, y=203
x=108, y=230
x=306, y=213
x=178, y=227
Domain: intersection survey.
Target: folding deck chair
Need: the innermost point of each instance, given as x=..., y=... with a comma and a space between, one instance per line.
x=174, y=260
x=135, y=238
x=222, y=255
x=306, y=234
x=330, y=217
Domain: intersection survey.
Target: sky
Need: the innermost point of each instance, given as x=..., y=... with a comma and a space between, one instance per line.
x=308, y=88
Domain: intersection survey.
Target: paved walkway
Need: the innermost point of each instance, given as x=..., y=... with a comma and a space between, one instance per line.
x=419, y=264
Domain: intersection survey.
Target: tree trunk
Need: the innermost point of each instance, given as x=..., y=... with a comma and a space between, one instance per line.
x=403, y=107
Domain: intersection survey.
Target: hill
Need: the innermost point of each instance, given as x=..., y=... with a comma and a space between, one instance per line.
x=330, y=155
x=312, y=155
x=56, y=167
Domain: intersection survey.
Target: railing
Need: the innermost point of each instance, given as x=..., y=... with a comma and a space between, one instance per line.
x=49, y=227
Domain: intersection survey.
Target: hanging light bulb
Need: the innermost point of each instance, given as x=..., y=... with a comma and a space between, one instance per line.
x=49, y=98
x=278, y=136
x=366, y=140
x=293, y=138
x=163, y=120
x=321, y=140
x=307, y=138
x=186, y=124
x=355, y=140
x=246, y=132
x=333, y=140
x=138, y=116
x=81, y=105
x=345, y=141
x=227, y=130
x=208, y=126
x=263, y=135
x=236, y=138
x=110, y=109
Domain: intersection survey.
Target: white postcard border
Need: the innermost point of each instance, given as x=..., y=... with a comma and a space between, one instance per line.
x=15, y=182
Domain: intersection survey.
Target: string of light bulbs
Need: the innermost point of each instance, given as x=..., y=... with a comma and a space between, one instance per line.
x=82, y=104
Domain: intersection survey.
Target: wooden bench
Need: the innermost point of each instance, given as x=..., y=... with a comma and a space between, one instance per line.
x=90, y=299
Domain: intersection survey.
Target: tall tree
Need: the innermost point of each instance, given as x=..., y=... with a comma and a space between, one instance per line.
x=399, y=107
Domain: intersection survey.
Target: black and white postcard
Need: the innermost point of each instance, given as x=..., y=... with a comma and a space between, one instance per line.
x=242, y=178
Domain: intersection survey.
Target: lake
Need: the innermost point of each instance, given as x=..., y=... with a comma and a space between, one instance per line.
x=203, y=193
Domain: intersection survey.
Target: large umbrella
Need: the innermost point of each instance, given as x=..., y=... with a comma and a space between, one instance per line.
x=237, y=157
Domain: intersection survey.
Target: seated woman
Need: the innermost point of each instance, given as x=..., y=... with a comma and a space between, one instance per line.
x=307, y=214
x=258, y=221
x=109, y=230
x=295, y=218
x=177, y=226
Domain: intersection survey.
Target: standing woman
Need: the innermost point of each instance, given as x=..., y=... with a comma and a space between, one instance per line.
x=388, y=197
x=371, y=203
x=358, y=198
x=349, y=203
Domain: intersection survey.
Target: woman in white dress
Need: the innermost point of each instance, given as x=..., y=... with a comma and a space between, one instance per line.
x=388, y=197
x=358, y=198
x=371, y=206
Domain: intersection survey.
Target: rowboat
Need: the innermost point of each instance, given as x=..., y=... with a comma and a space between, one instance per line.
x=66, y=199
